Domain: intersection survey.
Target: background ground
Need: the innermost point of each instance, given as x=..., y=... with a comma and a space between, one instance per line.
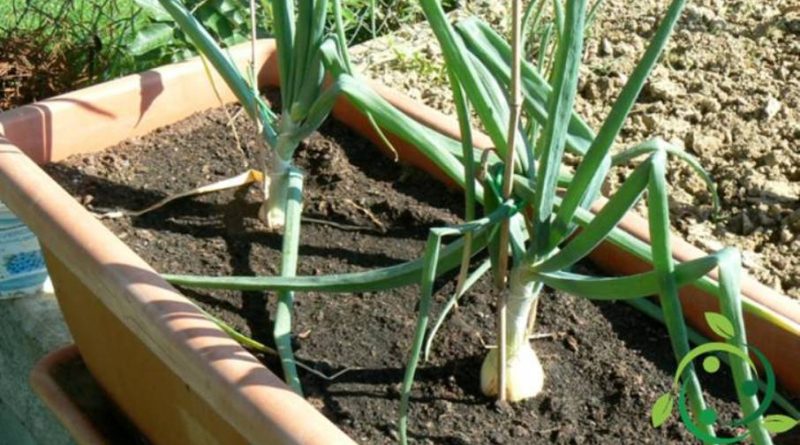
x=727, y=90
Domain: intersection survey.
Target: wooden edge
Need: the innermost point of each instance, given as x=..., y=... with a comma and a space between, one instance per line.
x=430, y=117
x=781, y=305
x=66, y=411
x=350, y=115
x=771, y=300
x=780, y=347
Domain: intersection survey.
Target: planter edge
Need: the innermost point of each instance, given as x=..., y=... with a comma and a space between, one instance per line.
x=65, y=410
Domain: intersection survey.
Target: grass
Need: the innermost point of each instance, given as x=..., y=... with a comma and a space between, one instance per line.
x=102, y=30
x=52, y=46
x=63, y=24
x=33, y=14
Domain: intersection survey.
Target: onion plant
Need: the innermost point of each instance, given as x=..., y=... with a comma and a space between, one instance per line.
x=543, y=241
x=536, y=223
x=300, y=34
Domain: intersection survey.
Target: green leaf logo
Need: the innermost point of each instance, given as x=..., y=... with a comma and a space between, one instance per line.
x=720, y=325
x=778, y=423
x=661, y=410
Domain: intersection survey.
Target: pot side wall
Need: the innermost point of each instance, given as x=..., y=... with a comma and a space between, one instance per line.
x=181, y=413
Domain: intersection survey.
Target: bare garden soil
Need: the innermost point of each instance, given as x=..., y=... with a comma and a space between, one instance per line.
x=605, y=363
x=726, y=90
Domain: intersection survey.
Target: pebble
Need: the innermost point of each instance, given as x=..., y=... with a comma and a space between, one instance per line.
x=793, y=221
x=623, y=48
x=498, y=439
x=782, y=191
x=520, y=431
x=503, y=407
x=785, y=237
x=771, y=108
x=650, y=122
x=709, y=105
x=770, y=159
x=589, y=91
x=572, y=343
x=606, y=49
x=145, y=234
x=702, y=144
x=664, y=89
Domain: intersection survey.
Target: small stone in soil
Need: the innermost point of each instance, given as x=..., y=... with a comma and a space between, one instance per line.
x=520, y=431
x=571, y=343
x=503, y=407
x=606, y=49
x=771, y=108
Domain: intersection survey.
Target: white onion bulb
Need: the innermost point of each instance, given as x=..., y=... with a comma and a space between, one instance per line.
x=524, y=374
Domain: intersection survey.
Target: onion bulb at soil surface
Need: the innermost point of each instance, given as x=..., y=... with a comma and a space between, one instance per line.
x=524, y=374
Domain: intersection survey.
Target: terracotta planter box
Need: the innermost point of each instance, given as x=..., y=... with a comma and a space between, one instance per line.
x=177, y=376
x=67, y=388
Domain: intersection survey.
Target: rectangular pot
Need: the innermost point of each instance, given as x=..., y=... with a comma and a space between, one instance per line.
x=62, y=382
x=178, y=377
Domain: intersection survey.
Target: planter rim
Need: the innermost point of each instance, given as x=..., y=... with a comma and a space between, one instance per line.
x=66, y=411
x=134, y=292
x=760, y=295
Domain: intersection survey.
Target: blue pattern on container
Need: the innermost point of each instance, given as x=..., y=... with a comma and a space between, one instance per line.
x=22, y=267
x=23, y=262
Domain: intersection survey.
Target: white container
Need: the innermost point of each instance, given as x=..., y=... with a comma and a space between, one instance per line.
x=22, y=268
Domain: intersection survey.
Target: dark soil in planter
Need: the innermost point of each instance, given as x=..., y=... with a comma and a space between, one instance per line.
x=606, y=364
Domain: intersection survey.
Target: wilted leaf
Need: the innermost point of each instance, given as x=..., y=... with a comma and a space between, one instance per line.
x=661, y=410
x=778, y=423
x=720, y=325
x=151, y=37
